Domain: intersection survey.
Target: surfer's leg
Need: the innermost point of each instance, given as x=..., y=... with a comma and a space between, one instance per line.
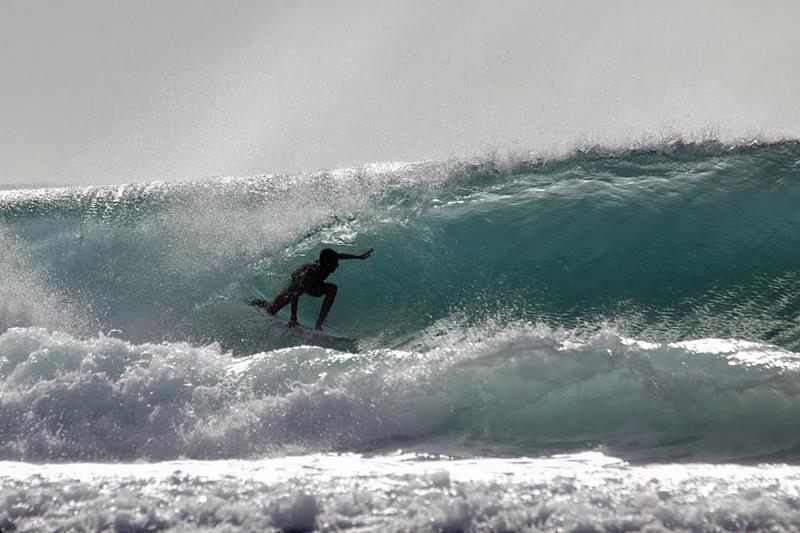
x=278, y=303
x=330, y=296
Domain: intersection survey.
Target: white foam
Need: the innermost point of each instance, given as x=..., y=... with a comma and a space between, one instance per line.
x=105, y=398
x=401, y=492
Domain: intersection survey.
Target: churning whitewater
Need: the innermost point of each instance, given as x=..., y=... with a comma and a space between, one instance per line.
x=584, y=314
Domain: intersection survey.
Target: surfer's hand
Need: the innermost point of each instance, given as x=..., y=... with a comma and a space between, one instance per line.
x=365, y=254
x=292, y=322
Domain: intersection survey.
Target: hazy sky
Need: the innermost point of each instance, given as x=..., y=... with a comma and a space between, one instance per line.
x=104, y=91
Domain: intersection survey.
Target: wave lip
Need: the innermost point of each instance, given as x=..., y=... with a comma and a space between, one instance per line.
x=525, y=390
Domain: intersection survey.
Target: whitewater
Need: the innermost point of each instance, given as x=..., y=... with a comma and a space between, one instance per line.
x=606, y=339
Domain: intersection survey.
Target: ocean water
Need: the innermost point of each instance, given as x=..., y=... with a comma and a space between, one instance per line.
x=604, y=340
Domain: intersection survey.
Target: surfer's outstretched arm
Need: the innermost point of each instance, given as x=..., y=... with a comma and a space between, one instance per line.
x=362, y=255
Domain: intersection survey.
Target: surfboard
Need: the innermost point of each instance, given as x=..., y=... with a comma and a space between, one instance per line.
x=306, y=335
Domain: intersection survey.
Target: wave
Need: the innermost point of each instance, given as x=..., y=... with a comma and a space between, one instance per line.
x=668, y=242
x=517, y=389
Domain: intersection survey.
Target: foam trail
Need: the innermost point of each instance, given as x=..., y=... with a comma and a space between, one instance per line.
x=522, y=390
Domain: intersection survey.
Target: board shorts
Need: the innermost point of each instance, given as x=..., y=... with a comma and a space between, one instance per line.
x=314, y=289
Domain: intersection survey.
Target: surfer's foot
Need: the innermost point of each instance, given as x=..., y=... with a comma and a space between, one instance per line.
x=318, y=327
x=265, y=305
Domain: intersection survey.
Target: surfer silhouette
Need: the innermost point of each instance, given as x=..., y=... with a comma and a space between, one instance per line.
x=310, y=279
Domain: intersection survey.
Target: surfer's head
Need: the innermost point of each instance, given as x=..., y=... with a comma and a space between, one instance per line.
x=329, y=258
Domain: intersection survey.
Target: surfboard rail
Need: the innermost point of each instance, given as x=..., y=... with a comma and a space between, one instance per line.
x=305, y=334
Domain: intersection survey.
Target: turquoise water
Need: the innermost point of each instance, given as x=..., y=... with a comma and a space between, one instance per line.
x=672, y=243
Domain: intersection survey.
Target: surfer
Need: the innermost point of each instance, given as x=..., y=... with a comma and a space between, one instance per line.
x=310, y=279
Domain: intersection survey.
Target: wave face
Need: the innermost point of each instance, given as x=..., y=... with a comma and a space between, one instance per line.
x=672, y=243
x=496, y=312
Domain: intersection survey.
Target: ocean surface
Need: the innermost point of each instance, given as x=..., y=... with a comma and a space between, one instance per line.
x=603, y=340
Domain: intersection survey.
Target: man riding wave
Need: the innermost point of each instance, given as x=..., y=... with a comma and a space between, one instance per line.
x=310, y=279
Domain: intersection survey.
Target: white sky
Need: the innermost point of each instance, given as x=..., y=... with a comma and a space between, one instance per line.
x=110, y=91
